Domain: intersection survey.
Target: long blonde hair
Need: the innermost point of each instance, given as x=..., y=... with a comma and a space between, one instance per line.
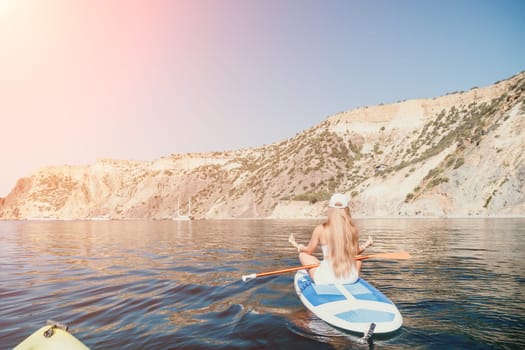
x=342, y=241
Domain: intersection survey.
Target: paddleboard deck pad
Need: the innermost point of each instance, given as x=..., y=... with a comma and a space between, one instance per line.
x=353, y=307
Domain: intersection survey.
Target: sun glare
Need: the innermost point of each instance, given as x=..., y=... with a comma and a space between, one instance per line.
x=4, y=6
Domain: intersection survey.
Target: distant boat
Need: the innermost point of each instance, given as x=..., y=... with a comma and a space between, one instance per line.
x=179, y=216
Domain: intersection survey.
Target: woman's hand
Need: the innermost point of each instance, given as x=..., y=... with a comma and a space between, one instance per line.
x=292, y=241
x=369, y=242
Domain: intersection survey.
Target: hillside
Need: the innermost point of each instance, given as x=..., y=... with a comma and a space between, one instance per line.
x=462, y=154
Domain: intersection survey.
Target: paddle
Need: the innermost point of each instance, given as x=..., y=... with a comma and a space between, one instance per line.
x=394, y=256
x=276, y=272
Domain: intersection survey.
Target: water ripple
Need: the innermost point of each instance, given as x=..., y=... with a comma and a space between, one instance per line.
x=153, y=285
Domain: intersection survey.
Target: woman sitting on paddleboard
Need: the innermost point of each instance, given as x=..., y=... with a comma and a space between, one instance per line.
x=338, y=238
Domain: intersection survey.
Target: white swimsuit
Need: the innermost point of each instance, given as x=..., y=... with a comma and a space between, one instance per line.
x=325, y=274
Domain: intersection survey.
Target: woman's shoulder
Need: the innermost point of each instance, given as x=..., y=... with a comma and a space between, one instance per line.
x=320, y=229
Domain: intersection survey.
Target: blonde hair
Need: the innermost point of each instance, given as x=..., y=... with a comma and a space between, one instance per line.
x=342, y=241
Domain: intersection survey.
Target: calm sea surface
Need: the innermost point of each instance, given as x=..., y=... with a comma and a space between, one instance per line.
x=177, y=285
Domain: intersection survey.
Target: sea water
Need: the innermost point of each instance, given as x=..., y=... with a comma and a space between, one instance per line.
x=177, y=285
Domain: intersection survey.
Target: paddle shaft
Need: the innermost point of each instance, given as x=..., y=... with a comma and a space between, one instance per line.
x=290, y=269
x=276, y=272
x=399, y=255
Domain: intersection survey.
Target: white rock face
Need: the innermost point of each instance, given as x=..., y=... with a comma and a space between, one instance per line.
x=461, y=154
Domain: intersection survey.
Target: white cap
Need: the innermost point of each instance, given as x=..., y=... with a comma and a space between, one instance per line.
x=339, y=201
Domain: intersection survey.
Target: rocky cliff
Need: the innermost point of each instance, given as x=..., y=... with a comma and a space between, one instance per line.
x=462, y=154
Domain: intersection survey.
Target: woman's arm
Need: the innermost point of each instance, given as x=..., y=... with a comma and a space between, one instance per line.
x=312, y=245
x=314, y=241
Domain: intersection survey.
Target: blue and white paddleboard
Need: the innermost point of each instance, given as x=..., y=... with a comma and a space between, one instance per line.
x=353, y=307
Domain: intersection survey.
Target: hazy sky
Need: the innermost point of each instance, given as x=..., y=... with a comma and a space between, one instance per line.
x=87, y=79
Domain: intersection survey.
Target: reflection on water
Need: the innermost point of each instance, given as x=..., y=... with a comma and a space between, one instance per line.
x=164, y=284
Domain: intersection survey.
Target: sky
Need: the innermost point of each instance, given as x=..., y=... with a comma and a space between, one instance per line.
x=82, y=80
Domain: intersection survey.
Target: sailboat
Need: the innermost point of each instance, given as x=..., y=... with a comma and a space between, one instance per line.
x=181, y=217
